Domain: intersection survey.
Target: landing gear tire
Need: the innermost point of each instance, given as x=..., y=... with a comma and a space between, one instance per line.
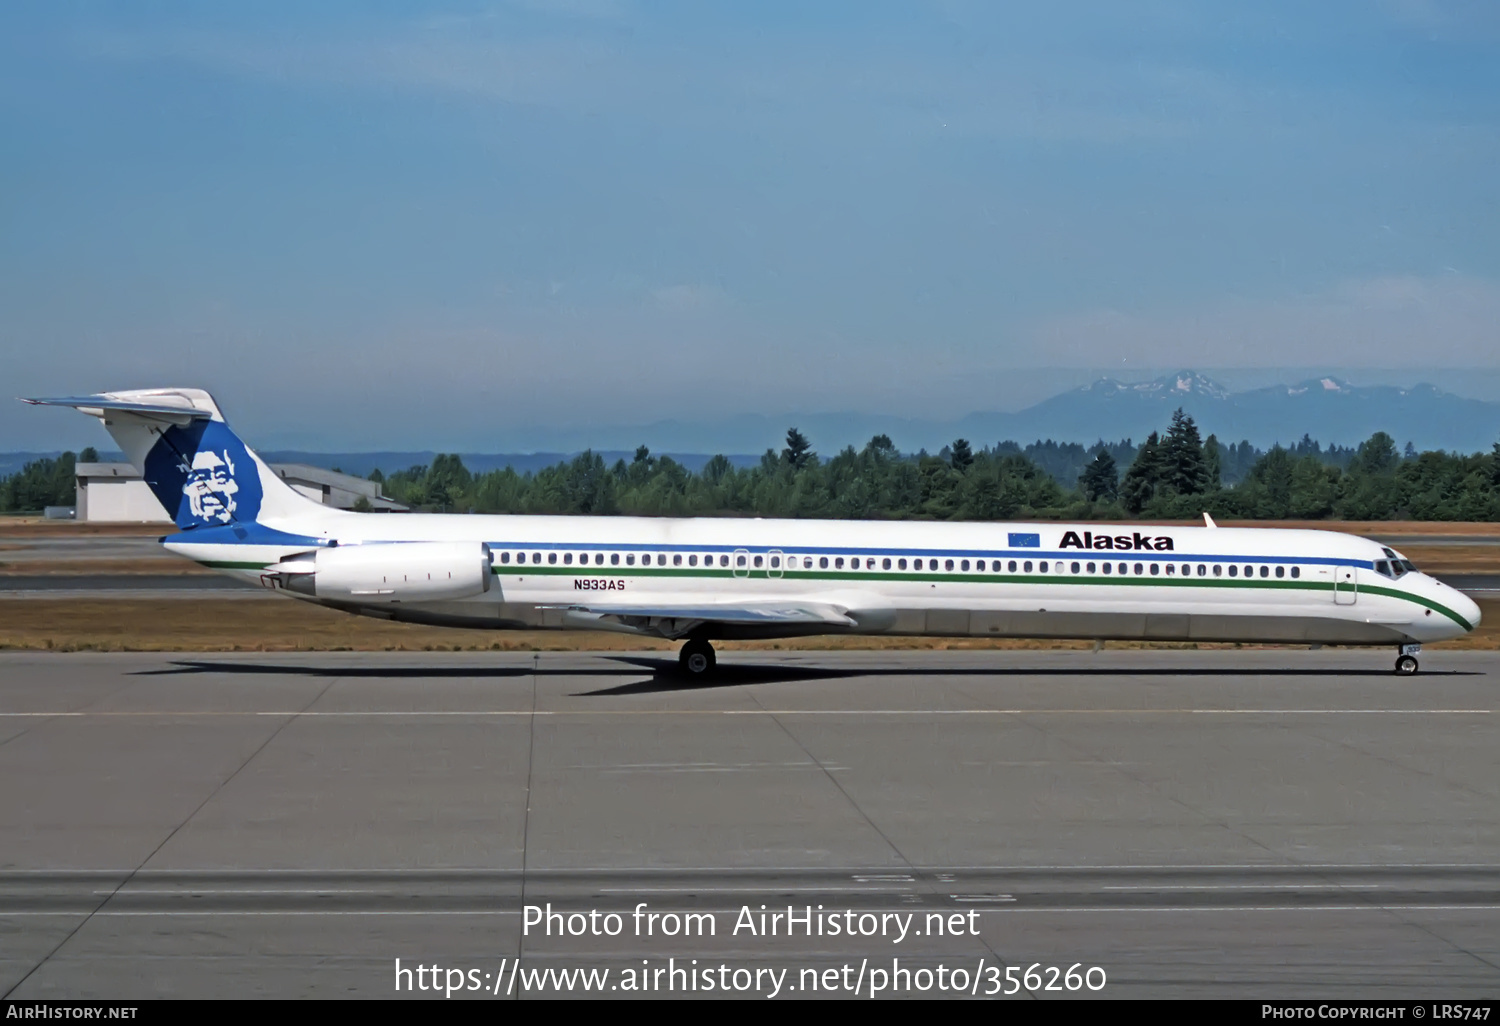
x=697, y=659
x=1406, y=665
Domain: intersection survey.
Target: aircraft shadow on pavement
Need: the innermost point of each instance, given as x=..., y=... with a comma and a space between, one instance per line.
x=189, y=666
x=666, y=675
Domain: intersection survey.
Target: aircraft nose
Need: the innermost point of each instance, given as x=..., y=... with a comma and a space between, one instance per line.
x=1462, y=605
x=1468, y=609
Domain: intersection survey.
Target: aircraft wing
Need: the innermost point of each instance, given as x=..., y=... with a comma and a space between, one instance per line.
x=769, y=614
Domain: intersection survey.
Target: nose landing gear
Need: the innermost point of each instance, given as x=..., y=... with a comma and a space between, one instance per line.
x=1406, y=660
x=697, y=659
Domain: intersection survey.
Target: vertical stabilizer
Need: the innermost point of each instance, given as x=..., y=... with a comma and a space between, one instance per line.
x=199, y=470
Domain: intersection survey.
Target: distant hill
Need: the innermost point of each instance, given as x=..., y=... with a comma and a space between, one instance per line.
x=362, y=463
x=1329, y=409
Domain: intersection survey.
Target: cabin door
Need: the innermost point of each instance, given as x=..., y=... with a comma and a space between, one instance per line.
x=1345, y=586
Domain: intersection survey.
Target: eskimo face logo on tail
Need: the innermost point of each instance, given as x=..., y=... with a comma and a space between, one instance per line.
x=210, y=487
x=204, y=476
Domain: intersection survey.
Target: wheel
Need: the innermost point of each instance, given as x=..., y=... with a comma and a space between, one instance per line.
x=1406, y=665
x=697, y=658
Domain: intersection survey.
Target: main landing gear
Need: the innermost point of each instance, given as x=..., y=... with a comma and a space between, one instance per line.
x=1406, y=660
x=697, y=659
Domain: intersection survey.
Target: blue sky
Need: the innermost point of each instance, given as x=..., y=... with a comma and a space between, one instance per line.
x=449, y=225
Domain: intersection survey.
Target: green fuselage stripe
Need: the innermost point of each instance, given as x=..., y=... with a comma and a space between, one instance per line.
x=713, y=573
x=725, y=573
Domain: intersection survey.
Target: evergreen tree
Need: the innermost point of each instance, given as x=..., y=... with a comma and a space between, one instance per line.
x=798, y=451
x=1101, y=479
x=1144, y=476
x=1376, y=455
x=1213, y=464
x=960, y=455
x=1183, y=468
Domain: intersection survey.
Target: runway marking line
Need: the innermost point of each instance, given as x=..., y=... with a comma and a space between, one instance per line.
x=1001, y=910
x=493, y=713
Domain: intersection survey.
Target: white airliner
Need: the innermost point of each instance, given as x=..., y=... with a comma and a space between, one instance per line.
x=701, y=580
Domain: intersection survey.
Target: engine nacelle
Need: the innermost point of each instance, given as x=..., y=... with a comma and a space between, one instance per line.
x=393, y=572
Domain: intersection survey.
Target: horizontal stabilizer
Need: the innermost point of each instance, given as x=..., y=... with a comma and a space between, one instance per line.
x=104, y=402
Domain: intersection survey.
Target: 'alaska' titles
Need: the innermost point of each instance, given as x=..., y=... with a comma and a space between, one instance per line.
x=1135, y=542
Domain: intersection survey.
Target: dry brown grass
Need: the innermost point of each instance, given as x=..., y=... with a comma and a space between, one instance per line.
x=164, y=564
x=278, y=625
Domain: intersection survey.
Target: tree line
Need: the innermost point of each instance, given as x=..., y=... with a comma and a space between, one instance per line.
x=1174, y=474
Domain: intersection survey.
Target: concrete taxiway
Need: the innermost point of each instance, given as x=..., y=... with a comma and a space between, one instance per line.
x=1271, y=823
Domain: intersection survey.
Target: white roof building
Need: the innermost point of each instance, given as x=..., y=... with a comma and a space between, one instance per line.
x=115, y=493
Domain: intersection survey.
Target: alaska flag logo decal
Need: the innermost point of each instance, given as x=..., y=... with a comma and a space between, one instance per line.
x=203, y=475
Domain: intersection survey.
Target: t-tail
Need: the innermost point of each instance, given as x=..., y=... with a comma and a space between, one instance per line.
x=199, y=470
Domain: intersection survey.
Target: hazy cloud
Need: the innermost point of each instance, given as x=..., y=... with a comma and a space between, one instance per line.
x=1389, y=321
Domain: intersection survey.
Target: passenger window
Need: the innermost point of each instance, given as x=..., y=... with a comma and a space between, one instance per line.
x=567, y=558
x=1124, y=568
x=1218, y=570
x=838, y=564
x=1042, y=566
x=1233, y=570
x=1281, y=571
x=723, y=560
x=614, y=559
x=932, y=564
x=676, y=559
x=1140, y=569
x=630, y=559
x=1265, y=571
x=536, y=557
x=598, y=559
x=885, y=564
x=947, y=564
x=822, y=562
x=964, y=565
x=1026, y=566
x=1091, y=568
x=1075, y=568
x=775, y=561
x=1296, y=571
x=1109, y=568
x=739, y=560
x=551, y=557
x=1202, y=569
x=759, y=561
x=693, y=560
x=979, y=565
x=1171, y=569
x=505, y=557
x=1249, y=571
x=1013, y=566
x=1155, y=569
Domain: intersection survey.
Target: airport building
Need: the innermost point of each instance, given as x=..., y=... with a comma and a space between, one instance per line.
x=115, y=493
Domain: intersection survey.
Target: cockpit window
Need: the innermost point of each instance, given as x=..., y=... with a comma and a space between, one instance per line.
x=1393, y=568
